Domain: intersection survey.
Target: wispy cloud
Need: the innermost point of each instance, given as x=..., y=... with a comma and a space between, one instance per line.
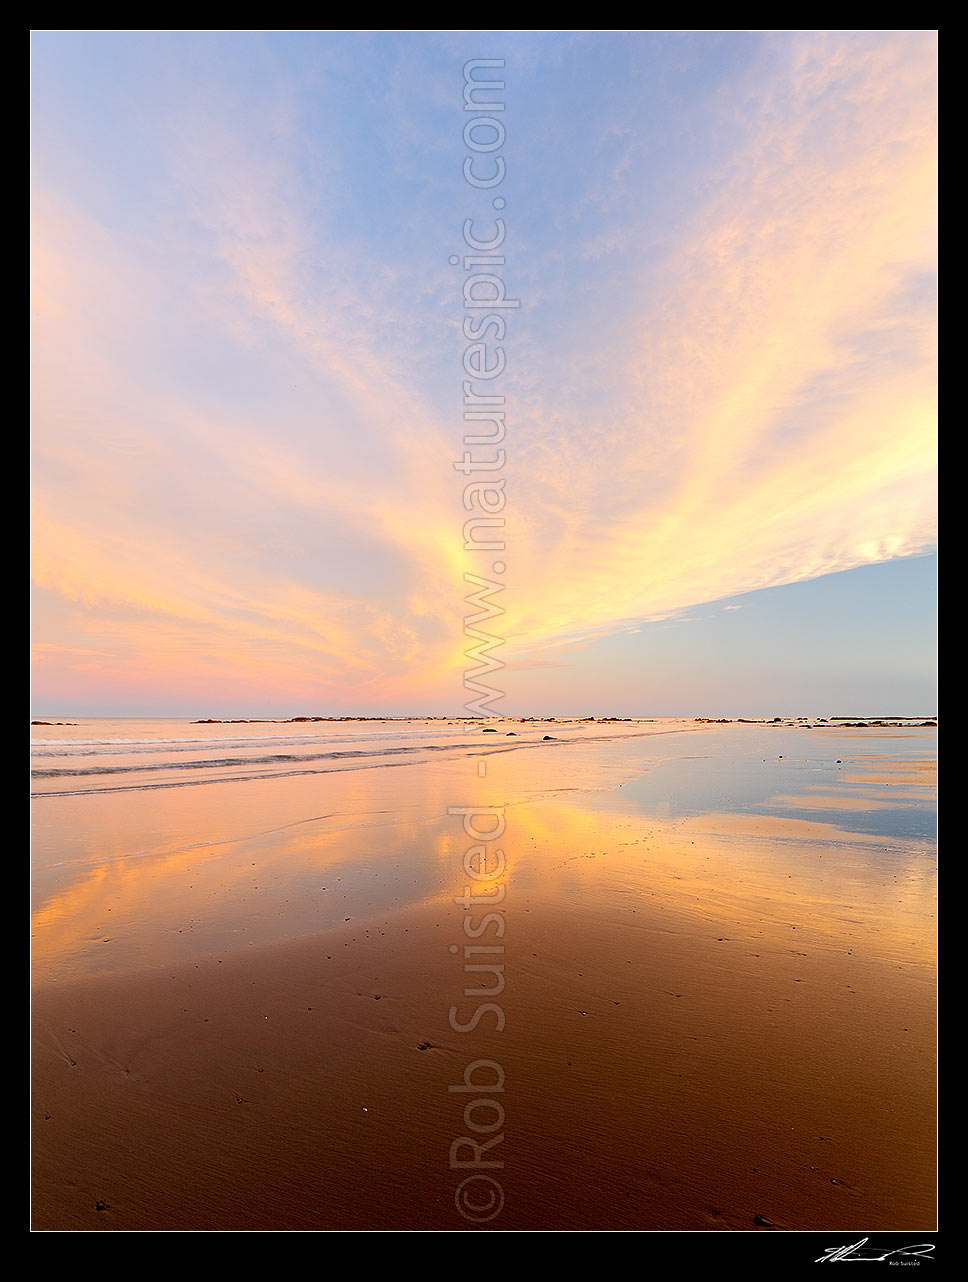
x=246, y=409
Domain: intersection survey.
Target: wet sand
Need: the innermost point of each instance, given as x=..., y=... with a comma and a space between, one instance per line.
x=710, y=1022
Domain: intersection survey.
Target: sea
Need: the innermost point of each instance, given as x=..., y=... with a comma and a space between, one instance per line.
x=154, y=839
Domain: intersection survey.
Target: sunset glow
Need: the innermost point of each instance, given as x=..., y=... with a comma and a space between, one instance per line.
x=247, y=356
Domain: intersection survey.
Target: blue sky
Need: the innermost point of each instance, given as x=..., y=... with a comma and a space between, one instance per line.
x=248, y=343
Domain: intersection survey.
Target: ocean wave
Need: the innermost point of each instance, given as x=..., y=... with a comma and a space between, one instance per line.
x=119, y=747
x=410, y=755
x=217, y=763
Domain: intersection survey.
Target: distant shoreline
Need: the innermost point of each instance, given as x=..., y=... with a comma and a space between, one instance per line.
x=806, y=723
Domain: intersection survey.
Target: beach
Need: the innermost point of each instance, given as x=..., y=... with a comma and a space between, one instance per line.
x=514, y=975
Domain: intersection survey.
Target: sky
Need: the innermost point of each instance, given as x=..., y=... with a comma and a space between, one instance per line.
x=715, y=364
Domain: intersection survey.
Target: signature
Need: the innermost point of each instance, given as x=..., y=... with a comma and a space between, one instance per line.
x=859, y=1252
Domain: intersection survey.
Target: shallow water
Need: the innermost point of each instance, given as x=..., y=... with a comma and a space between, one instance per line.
x=159, y=840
